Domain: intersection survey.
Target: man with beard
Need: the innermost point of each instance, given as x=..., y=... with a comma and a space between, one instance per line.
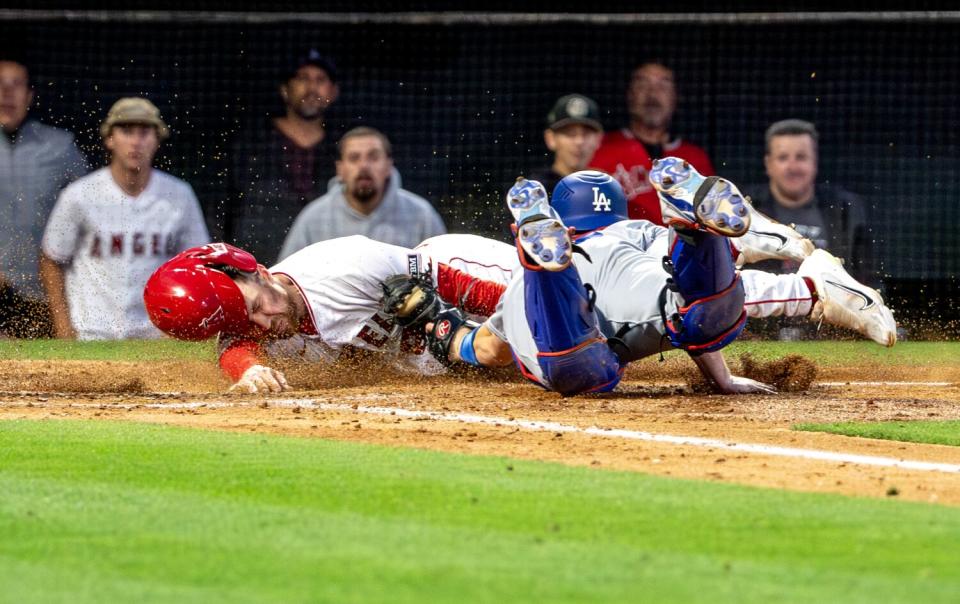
x=280, y=165
x=366, y=200
x=628, y=154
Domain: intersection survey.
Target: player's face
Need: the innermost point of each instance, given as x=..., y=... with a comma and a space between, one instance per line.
x=309, y=92
x=133, y=146
x=364, y=167
x=792, y=166
x=574, y=146
x=652, y=96
x=15, y=95
x=268, y=304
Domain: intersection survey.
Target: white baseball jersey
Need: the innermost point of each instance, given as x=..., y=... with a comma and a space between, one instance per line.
x=340, y=279
x=110, y=244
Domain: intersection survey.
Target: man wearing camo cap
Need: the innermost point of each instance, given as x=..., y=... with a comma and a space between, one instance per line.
x=573, y=134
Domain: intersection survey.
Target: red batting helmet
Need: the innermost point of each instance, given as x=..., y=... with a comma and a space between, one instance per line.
x=191, y=297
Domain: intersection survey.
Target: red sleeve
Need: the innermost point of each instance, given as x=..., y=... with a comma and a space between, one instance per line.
x=239, y=356
x=472, y=294
x=605, y=157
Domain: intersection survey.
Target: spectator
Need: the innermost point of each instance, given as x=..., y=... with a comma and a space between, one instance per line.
x=282, y=164
x=36, y=161
x=833, y=218
x=573, y=134
x=111, y=229
x=366, y=200
x=628, y=154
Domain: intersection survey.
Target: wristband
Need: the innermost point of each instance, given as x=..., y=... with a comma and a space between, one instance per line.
x=467, y=354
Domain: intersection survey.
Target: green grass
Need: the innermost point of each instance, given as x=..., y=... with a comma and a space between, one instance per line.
x=102, y=511
x=123, y=350
x=824, y=353
x=837, y=353
x=931, y=432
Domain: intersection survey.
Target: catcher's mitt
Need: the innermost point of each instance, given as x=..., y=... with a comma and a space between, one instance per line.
x=411, y=301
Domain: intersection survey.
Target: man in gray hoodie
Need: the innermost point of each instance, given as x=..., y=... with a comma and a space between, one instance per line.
x=36, y=161
x=366, y=199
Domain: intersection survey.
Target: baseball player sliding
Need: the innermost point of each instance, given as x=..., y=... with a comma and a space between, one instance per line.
x=585, y=306
x=320, y=301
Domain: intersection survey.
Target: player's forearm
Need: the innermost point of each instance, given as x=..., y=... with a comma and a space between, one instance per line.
x=714, y=367
x=51, y=276
x=487, y=348
x=237, y=357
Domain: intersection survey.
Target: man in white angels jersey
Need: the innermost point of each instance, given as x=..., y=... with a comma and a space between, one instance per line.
x=319, y=302
x=111, y=229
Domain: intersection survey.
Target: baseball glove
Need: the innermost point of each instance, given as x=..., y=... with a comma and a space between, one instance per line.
x=411, y=301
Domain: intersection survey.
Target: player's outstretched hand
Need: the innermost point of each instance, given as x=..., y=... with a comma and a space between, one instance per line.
x=260, y=379
x=742, y=385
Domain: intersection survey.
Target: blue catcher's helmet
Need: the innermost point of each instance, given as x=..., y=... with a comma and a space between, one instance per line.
x=588, y=200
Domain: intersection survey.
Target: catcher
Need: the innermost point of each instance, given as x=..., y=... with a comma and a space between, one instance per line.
x=584, y=306
x=323, y=300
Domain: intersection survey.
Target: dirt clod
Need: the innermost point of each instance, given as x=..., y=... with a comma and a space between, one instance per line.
x=792, y=373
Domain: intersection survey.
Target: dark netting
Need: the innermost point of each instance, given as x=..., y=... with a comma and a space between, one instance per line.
x=464, y=104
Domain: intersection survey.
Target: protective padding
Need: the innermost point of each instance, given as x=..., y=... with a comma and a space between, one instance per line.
x=710, y=323
x=703, y=264
x=571, y=353
x=591, y=367
x=707, y=279
x=557, y=309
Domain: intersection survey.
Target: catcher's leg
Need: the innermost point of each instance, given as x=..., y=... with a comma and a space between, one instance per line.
x=692, y=201
x=706, y=279
x=552, y=327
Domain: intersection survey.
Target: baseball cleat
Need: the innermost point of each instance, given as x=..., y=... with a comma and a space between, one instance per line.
x=690, y=200
x=844, y=301
x=543, y=240
x=546, y=242
x=528, y=200
x=767, y=239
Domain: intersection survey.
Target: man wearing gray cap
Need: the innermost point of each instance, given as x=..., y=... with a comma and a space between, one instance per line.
x=111, y=229
x=573, y=134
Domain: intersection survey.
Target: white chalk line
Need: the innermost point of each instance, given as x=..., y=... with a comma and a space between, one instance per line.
x=894, y=384
x=545, y=426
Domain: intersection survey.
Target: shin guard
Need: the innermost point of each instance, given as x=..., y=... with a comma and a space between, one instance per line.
x=705, y=277
x=572, y=354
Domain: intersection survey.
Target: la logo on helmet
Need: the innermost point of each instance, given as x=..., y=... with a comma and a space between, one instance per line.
x=600, y=201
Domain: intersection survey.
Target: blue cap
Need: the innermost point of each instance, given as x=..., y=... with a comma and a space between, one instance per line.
x=588, y=200
x=312, y=57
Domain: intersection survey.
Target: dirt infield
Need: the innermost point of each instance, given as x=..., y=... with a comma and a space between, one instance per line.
x=655, y=398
